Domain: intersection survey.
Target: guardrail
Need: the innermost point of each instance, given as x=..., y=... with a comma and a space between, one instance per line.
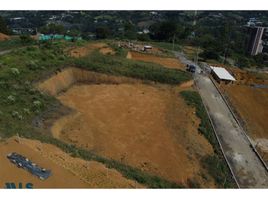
x=218, y=140
x=244, y=133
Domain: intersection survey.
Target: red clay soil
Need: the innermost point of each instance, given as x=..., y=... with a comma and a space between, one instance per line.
x=164, y=61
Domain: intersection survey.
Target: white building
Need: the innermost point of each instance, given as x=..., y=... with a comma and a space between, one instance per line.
x=220, y=74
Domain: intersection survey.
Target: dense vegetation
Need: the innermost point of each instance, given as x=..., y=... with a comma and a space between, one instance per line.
x=222, y=35
x=215, y=164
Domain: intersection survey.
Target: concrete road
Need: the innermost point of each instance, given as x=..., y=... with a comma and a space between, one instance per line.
x=247, y=168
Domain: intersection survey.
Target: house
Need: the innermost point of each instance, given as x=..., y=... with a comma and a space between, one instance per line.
x=221, y=75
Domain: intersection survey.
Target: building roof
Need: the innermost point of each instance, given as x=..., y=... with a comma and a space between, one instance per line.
x=222, y=73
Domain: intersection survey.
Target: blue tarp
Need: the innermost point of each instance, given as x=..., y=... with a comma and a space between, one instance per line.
x=44, y=37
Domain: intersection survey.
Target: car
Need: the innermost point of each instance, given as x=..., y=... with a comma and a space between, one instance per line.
x=190, y=68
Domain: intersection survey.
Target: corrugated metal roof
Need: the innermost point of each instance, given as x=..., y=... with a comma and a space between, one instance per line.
x=222, y=73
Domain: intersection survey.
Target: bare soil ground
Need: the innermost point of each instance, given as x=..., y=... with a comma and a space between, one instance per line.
x=149, y=127
x=251, y=104
x=87, y=49
x=165, y=61
x=67, y=172
x=4, y=37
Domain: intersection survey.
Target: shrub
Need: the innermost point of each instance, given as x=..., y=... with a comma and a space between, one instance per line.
x=15, y=71
x=11, y=99
x=26, y=39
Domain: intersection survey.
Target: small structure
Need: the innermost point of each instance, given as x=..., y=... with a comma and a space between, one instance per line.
x=220, y=74
x=147, y=47
x=24, y=163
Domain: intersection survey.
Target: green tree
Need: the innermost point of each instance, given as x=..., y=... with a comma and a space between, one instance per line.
x=53, y=29
x=164, y=31
x=130, y=31
x=26, y=39
x=102, y=32
x=3, y=26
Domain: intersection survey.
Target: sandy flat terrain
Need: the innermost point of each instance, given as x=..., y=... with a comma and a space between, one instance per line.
x=145, y=126
x=67, y=172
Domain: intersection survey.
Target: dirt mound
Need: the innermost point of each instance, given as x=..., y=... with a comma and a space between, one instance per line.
x=164, y=61
x=4, y=37
x=80, y=173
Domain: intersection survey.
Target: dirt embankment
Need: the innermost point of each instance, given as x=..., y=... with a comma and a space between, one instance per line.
x=143, y=125
x=69, y=76
x=251, y=104
x=164, y=61
x=67, y=172
x=87, y=49
x=4, y=37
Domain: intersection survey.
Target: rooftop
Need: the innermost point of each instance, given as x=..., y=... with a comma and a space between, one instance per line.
x=222, y=73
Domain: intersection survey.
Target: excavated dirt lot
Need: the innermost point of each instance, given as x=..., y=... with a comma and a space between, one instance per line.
x=166, y=62
x=148, y=126
x=251, y=105
x=67, y=172
x=87, y=49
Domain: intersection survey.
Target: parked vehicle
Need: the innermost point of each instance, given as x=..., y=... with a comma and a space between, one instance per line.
x=191, y=68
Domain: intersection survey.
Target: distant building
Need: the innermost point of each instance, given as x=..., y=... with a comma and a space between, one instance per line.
x=220, y=74
x=255, y=45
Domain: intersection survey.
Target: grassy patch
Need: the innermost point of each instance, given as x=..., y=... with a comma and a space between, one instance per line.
x=167, y=46
x=10, y=44
x=115, y=65
x=215, y=164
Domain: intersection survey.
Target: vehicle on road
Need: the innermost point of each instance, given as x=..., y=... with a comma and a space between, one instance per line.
x=191, y=68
